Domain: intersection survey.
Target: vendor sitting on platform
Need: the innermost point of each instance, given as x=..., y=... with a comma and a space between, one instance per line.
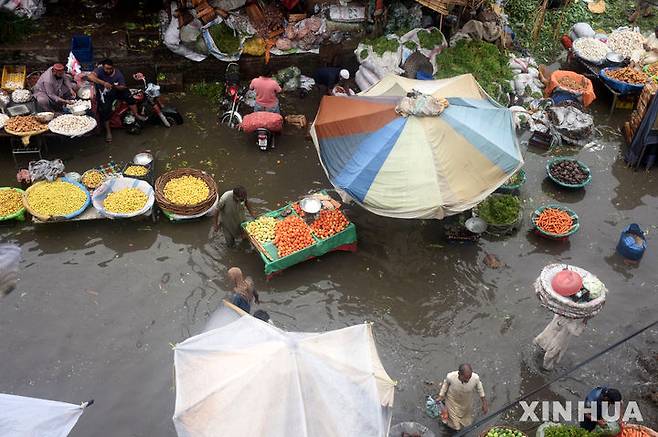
x=54, y=89
x=331, y=77
x=111, y=86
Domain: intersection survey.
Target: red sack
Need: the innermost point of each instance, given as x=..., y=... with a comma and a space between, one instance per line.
x=269, y=120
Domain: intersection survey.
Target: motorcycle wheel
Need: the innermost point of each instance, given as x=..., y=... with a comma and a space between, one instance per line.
x=231, y=120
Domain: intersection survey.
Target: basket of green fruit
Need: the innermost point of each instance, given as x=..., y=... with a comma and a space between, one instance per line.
x=502, y=431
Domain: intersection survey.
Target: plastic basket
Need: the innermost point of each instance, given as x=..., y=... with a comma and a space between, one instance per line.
x=620, y=87
x=513, y=188
x=545, y=234
x=563, y=184
x=13, y=73
x=59, y=218
x=500, y=229
x=18, y=215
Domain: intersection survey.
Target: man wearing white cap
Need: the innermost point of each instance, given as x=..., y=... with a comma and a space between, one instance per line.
x=330, y=77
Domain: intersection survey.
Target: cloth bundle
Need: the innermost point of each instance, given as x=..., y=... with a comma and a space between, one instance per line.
x=44, y=169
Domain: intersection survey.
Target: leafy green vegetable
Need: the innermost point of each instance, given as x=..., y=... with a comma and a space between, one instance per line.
x=500, y=209
x=364, y=54
x=482, y=59
x=226, y=41
x=429, y=40
x=411, y=45
x=382, y=45
x=567, y=431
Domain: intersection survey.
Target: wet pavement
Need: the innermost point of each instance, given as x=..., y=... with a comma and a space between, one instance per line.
x=99, y=304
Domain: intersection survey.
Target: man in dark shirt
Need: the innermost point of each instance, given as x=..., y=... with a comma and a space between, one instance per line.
x=111, y=86
x=595, y=398
x=330, y=77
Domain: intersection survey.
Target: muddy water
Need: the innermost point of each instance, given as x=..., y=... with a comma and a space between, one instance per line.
x=100, y=303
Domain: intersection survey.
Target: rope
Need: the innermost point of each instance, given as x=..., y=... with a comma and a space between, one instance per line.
x=485, y=419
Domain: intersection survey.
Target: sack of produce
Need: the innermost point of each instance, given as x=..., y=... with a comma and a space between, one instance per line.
x=571, y=82
x=368, y=75
x=581, y=30
x=269, y=120
x=385, y=51
x=223, y=42
x=361, y=82
x=428, y=42
x=123, y=198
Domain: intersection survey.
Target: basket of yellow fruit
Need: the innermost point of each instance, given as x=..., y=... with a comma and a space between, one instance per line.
x=123, y=198
x=136, y=171
x=11, y=204
x=185, y=191
x=60, y=199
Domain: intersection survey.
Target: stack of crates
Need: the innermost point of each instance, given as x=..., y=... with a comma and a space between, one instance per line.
x=83, y=51
x=13, y=77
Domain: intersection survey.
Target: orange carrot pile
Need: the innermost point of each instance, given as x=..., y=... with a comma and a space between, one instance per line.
x=633, y=432
x=329, y=223
x=291, y=234
x=554, y=221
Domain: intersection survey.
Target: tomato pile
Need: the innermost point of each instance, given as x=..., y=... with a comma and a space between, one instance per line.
x=330, y=222
x=298, y=209
x=291, y=234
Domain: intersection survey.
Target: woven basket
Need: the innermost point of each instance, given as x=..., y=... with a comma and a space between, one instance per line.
x=564, y=306
x=511, y=428
x=185, y=209
x=513, y=188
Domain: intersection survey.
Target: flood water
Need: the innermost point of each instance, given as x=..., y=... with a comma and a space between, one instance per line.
x=99, y=304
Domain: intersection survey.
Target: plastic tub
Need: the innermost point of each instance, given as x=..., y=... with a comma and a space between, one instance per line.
x=550, y=235
x=563, y=184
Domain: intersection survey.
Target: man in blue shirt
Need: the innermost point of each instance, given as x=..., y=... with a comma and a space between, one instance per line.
x=595, y=398
x=111, y=86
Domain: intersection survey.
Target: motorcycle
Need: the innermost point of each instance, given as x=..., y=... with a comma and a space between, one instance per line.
x=234, y=95
x=264, y=139
x=148, y=105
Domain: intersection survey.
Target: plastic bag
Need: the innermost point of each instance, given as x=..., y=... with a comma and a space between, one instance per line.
x=421, y=105
x=119, y=183
x=44, y=169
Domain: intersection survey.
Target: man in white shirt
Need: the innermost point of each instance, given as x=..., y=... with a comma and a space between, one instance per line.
x=458, y=391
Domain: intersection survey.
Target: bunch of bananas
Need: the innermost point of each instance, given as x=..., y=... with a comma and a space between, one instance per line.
x=56, y=198
x=262, y=229
x=186, y=190
x=125, y=201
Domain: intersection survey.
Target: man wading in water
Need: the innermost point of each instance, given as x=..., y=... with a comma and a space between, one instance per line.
x=458, y=389
x=230, y=213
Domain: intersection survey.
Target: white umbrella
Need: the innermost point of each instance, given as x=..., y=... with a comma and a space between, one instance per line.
x=251, y=378
x=28, y=417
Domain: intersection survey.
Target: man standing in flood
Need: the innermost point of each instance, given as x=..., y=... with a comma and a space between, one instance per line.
x=230, y=214
x=458, y=391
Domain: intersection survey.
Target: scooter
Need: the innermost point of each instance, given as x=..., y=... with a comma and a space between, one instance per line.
x=148, y=105
x=264, y=139
x=234, y=95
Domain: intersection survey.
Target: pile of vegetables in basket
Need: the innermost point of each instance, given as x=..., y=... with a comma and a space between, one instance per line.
x=125, y=201
x=502, y=431
x=500, y=209
x=628, y=75
x=262, y=229
x=11, y=201
x=186, y=190
x=554, y=221
x=58, y=198
x=568, y=172
x=291, y=235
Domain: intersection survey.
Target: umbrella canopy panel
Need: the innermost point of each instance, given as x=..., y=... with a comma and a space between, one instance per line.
x=416, y=167
x=251, y=378
x=25, y=417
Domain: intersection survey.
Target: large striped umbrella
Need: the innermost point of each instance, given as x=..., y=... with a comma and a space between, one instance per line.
x=416, y=167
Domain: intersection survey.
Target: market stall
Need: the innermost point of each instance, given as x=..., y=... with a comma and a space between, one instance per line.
x=300, y=231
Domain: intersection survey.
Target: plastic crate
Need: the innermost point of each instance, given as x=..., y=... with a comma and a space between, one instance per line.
x=13, y=77
x=83, y=51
